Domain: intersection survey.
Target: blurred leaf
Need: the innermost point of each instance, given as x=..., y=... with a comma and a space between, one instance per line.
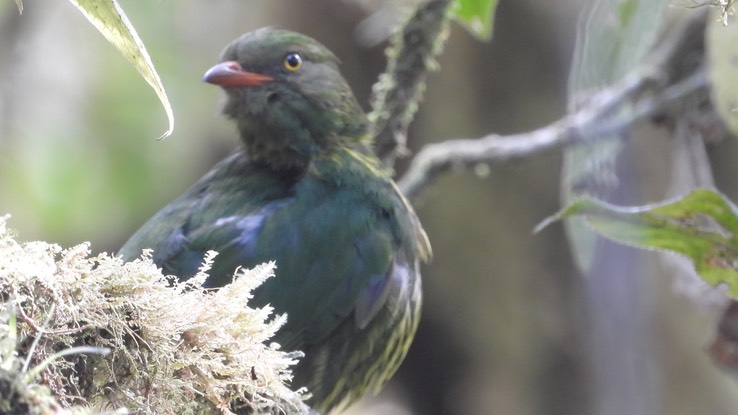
x=19, y=3
x=613, y=37
x=722, y=57
x=476, y=15
x=703, y=226
x=111, y=21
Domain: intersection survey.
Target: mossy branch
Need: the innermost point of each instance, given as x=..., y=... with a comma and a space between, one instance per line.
x=175, y=347
x=397, y=93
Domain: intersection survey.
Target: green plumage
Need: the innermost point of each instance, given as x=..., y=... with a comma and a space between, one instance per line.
x=307, y=192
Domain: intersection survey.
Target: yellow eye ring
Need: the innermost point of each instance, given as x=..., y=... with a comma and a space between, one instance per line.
x=292, y=62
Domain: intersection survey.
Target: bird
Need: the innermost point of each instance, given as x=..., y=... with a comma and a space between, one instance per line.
x=304, y=189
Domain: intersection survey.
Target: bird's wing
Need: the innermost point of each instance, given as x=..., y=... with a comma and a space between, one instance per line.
x=334, y=256
x=223, y=211
x=337, y=256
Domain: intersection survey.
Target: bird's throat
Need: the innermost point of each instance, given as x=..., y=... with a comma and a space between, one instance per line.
x=275, y=151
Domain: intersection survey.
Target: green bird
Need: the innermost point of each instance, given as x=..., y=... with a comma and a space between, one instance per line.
x=307, y=191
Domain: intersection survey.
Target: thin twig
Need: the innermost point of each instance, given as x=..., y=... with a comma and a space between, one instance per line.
x=29, y=321
x=38, y=338
x=41, y=330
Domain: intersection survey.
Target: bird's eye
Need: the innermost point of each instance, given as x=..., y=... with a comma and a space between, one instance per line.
x=292, y=62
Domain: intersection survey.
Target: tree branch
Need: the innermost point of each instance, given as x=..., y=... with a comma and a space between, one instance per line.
x=610, y=112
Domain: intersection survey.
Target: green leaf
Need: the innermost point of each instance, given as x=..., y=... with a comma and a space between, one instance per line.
x=111, y=21
x=476, y=15
x=703, y=226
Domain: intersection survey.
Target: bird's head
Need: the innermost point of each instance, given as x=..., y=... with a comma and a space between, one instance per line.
x=287, y=97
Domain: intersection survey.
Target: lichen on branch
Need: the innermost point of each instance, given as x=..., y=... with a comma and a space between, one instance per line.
x=175, y=346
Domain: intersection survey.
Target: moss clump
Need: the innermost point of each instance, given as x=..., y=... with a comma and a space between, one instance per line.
x=176, y=348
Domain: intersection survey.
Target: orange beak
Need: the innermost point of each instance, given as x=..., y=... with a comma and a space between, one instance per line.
x=230, y=73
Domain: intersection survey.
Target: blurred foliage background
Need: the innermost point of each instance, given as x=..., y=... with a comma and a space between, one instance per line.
x=505, y=328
